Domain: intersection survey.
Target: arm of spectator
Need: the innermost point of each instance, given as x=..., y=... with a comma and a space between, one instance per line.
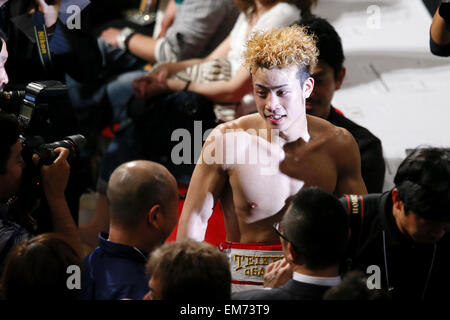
x=173, y=67
x=230, y=91
x=139, y=44
x=278, y=273
x=206, y=186
x=150, y=85
x=440, y=35
x=54, y=182
x=110, y=36
x=440, y=32
x=169, y=17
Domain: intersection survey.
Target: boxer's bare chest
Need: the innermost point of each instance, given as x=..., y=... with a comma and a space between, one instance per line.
x=259, y=188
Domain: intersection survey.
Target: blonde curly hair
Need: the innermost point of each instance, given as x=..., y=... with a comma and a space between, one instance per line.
x=281, y=48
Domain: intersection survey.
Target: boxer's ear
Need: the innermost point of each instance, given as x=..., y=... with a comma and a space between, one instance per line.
x=308, y=87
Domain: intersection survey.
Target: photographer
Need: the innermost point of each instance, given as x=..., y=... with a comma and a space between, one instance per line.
x=440, y=30
x=17, y=225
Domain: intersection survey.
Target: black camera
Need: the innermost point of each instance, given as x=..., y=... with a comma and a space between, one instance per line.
x=41, y=117
x=43, y=109
x=45, y=151
x=45, y=114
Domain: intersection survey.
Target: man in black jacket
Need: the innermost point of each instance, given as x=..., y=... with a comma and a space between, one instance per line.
x=401, y=236
x=314, y=236
x=328, y=76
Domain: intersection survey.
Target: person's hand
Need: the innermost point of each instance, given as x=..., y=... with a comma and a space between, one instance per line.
x=110, y=36
x=55, y=176
x=292, y=158
x=150, y=85
x=277, y=273
x=50, y=12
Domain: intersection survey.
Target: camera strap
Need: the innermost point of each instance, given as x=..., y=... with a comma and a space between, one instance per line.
x=40, y=33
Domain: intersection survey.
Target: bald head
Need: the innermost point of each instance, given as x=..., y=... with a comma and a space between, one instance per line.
x=135, y=187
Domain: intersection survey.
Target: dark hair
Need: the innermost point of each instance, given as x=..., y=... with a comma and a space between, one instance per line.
x=317, y=225
x=37, y=269
x=9, y=133
x=328, y=41
x=423, y=183
x=191, y=270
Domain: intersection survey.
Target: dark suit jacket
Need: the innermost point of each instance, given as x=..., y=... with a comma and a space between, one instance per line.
x=292, y=290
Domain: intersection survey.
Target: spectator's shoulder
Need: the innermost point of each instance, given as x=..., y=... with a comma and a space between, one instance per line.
x=257, y=294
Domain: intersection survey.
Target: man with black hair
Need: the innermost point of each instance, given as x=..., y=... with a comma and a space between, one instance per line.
x=328, y=76
x=314, y=236
x=440, y=30
x=15, y=223
x=404, y=231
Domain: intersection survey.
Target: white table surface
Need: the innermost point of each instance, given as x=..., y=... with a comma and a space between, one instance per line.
x=394, y=86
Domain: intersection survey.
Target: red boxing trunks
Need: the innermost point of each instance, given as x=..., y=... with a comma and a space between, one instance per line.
x=248, y=262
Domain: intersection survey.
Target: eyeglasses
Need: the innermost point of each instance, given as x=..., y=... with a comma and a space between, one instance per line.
x=276, y=227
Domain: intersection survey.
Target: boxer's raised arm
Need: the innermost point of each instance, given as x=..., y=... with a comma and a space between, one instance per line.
x=205, y=188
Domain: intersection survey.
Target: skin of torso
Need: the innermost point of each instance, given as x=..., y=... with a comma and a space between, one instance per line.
x=255, y=163
x=260, y=190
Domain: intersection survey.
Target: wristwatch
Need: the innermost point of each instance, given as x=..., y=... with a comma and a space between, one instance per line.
x=123, y=36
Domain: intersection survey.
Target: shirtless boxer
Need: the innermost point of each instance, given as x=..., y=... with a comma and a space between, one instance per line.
x=253, y=198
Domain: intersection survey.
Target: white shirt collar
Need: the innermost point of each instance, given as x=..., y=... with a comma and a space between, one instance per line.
x=320, y=281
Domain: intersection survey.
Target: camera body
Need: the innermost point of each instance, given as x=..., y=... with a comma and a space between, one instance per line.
x=34, y=111
x=41, y=111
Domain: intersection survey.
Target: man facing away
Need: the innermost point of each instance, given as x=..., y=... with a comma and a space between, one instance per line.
x=143, y=199
x=239, y=164
x=314, y=236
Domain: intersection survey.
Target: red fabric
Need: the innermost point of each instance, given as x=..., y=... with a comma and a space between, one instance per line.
x=107, y=133
x=251, y=246
x=339, y=111
x=215, y=233
x=252, y=283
